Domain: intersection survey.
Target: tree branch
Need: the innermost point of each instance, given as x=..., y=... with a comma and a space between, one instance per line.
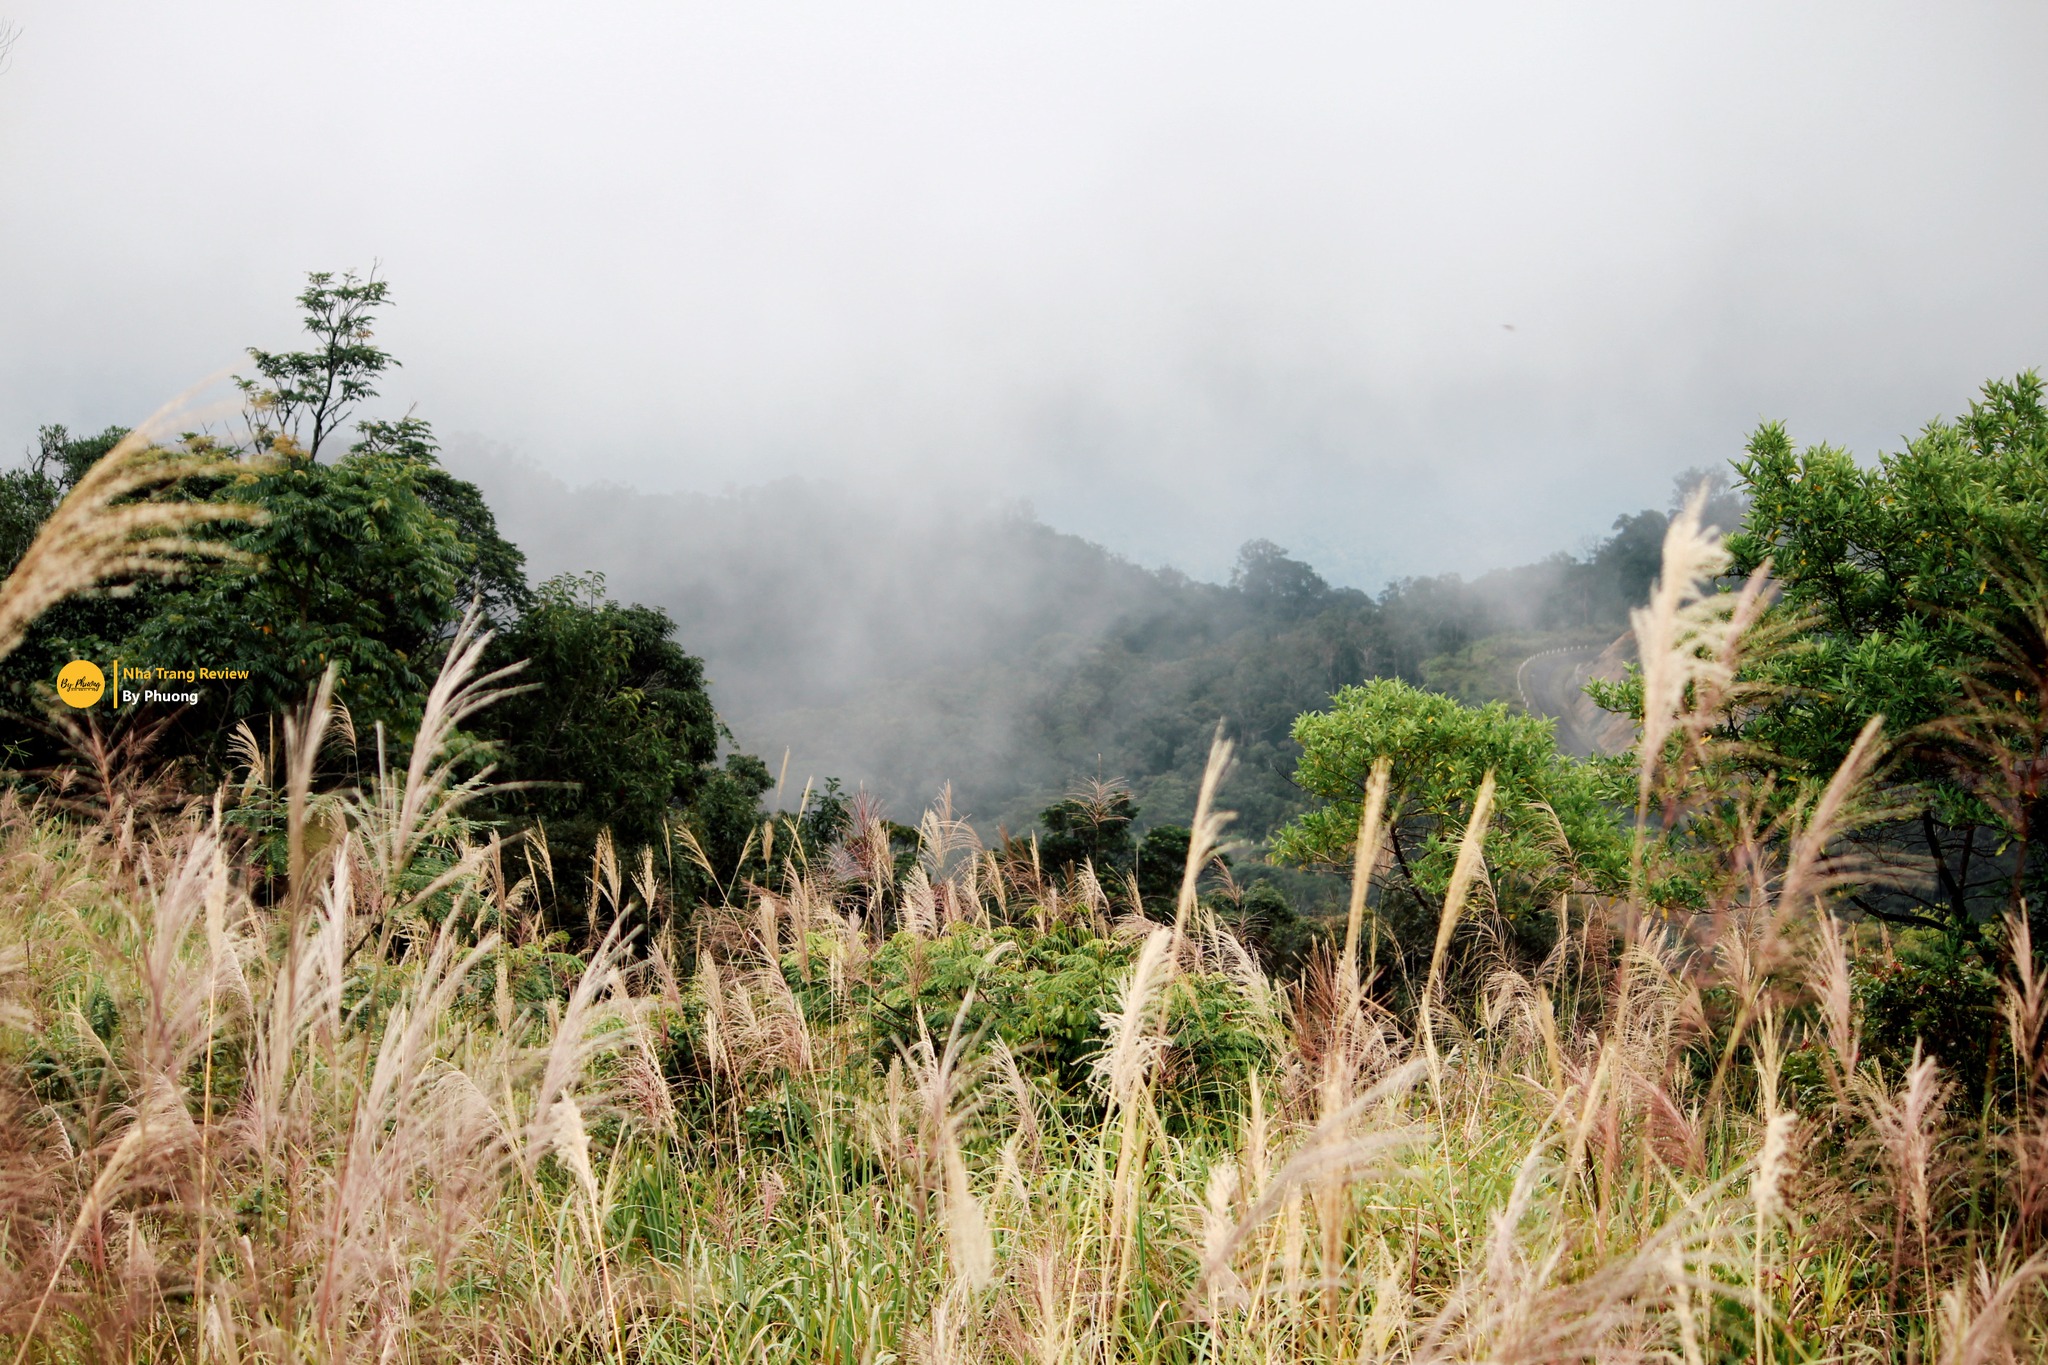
x=1905, y=917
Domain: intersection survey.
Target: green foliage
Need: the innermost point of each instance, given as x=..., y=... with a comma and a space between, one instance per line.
x=354, y=564
x=1279, y=641
x=1266, y=918
x=1145, y=699
x=723, y=815
x=1907, y=578
x=538, y=977
x=29, y=495
x=1044, y=995
x=86, y=626
x=1618, y=575
x=1941, y=1001
x=1041, y=993
x=826, y=816
x=614, y=724
x=783, y=1123
x=305, y=396
x=495, y=578
x=1441, y=751
x=1162, y=863
x=1092, y=826
x=351, y=567
x=1216, y=1042
x=1276, y=586
x=615, y=730
x=364, y=563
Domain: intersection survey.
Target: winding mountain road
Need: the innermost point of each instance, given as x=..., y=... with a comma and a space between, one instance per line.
x=1550, y=684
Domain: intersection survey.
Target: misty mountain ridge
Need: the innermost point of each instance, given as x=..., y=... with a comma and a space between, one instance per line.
x=901, y=644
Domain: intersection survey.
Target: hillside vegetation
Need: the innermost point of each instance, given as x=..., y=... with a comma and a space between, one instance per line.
x=902, y=647
x=386, y=1009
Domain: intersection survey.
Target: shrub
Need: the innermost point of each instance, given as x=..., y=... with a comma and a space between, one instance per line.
x=1944, y=1001
x=1044, y=995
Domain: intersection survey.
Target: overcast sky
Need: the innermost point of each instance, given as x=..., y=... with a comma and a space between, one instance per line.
x=1404, y=287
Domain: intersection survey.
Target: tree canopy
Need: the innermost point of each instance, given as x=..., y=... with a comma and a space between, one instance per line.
x=364, y=562
x=1553, y=826
x=1915, y=586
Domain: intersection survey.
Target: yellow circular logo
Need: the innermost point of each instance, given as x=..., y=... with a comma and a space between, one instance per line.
x=81, y=683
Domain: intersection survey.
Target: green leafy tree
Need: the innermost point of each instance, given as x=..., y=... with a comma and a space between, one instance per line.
x=495, y=576
x=724, y=815
x=29, y=495
x=305, y=396
x=1162, y=864
x=1912, y=582
x=362, y=562
x=352, y=567
x=1093, y=825
x=1551, y=829
x=1619, y=572
x=615, y=730
x=615, y=722
x=1275, y=585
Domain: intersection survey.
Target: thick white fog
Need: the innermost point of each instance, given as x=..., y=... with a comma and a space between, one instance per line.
x=1405, y=288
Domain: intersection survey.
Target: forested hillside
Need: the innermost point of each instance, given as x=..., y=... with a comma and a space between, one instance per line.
x=902, y=645
x=898, y=645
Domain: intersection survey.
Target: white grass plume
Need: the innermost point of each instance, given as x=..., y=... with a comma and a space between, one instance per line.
x=1365, y=858
x=1471, y=854
x=1331, y=1151
x=1975, y=1313
x=401, y=813
x=1203, y=837
x=1828, y=980
x=1687, y=635
x=1124, y=1065
x=107, y=530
